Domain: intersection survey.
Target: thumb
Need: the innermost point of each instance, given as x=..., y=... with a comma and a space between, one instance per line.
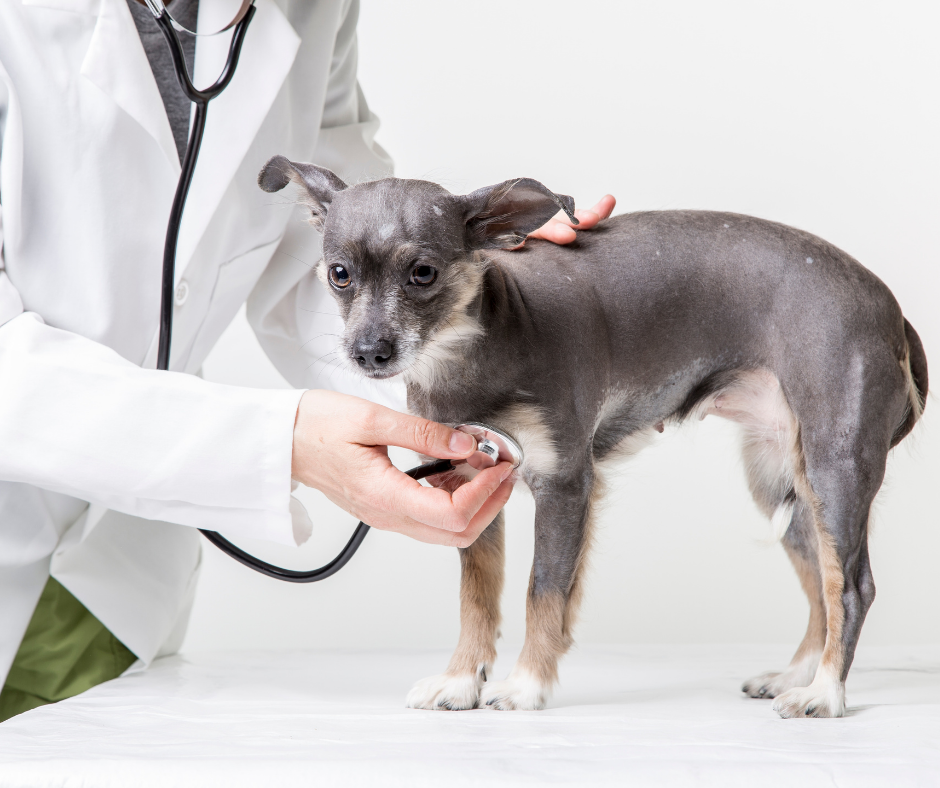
x=423, y=436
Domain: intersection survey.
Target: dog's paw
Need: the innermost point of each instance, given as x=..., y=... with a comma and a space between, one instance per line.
x=519, y=691
x=819, y=699
x=446, y=692
x=800, y=673
x=770, y=685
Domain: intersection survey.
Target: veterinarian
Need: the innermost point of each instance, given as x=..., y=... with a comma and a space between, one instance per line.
x=107, y=465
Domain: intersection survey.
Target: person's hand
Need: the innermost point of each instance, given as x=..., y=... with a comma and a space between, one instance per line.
x=340, y=448
x=559, y=230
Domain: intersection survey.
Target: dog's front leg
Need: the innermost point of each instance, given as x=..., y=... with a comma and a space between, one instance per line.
x=562, y=539
x=481, y=586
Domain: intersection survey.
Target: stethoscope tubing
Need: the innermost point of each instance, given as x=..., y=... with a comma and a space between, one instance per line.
x=331, y=568
x=201, y=99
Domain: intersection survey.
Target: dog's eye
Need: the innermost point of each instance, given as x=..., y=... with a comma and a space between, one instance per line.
x=339, y=276
x=423, y=275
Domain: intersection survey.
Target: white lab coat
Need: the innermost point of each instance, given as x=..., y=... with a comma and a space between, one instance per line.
x=88, y=168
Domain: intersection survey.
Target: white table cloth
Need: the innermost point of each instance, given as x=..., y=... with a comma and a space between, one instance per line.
x=624, y=715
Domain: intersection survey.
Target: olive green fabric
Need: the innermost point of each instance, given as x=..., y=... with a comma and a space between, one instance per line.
x=65, y=651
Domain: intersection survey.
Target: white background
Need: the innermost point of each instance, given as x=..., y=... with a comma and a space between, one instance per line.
x=823, y=115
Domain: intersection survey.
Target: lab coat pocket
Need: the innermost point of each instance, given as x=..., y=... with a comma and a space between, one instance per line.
x=234, y=282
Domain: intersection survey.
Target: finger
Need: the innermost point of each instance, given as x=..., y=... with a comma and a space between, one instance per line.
x=489, y=510
x=437, y=507
x=605, y=206
x=555, y=231
x=470, y=498
x=437, y=536
x=590, y=217
x=391, y=428
x=586, y=219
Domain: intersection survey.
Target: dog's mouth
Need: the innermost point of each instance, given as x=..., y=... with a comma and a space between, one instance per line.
x=381, y=374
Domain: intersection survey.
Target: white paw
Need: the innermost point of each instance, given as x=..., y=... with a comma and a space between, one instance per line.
x=520, y=691
x=769, y=685
x=449, y=692
x=819, y=699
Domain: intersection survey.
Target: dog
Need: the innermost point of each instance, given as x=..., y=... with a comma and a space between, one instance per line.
x=584, y=352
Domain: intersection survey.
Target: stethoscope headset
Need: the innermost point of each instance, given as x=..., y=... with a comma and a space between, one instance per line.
x=492, y=445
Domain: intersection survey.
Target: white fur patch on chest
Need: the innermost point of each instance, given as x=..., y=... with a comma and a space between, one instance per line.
x=526, y=425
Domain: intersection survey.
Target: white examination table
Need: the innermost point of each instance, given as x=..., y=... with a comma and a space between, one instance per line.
x=629, y=715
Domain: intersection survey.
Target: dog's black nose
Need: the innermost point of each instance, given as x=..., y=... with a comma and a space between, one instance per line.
x=373, y=353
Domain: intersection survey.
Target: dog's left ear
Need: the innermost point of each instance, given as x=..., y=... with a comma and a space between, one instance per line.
x=318, y=184
x=501, y=216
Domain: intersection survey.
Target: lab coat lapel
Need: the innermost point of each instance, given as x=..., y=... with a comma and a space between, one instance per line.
x=236, y=115
x=117, y=65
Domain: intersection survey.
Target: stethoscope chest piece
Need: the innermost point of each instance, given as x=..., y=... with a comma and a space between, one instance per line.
x=493, y=446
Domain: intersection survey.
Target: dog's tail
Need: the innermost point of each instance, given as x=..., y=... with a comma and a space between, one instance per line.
x=914, y=365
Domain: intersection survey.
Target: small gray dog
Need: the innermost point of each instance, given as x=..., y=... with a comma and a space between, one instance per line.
x=583, y=352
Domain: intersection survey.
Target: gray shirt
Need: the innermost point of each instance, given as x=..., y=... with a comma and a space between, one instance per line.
x=177, y=106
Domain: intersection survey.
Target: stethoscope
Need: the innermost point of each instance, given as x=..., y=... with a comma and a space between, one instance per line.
x=493, y=445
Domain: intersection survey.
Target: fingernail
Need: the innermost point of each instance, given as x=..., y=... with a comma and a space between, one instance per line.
x=506, y=473
x=461, y=442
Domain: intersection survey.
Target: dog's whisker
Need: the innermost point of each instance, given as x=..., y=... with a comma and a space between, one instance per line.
x=320, y=336
x=318, y=312
x=293, y=257
x=317, y=361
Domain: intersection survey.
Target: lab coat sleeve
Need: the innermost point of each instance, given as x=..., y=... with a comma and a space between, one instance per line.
x=77, y=418
x=291, y=312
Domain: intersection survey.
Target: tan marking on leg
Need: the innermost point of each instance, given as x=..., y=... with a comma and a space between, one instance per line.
x=830, y=569
x=815, y=638
x=481, y=587
x=550, y=621
x=805, y=662
x=825, y=696
x=833, y=584
x=545, y=638
x=530, y=683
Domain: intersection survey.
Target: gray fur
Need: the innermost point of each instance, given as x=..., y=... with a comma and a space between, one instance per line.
x=665, y=308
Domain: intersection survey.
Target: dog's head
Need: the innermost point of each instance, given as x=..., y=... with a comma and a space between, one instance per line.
x=402, y=259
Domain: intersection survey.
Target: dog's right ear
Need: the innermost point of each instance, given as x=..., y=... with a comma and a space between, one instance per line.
x=318, y=185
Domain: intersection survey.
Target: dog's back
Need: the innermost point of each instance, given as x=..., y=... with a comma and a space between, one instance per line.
x=667, y=307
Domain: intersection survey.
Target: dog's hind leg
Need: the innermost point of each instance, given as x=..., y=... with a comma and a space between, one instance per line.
x=843, y=470
x=481, y=586
x=562, y=539
x=800, y=543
